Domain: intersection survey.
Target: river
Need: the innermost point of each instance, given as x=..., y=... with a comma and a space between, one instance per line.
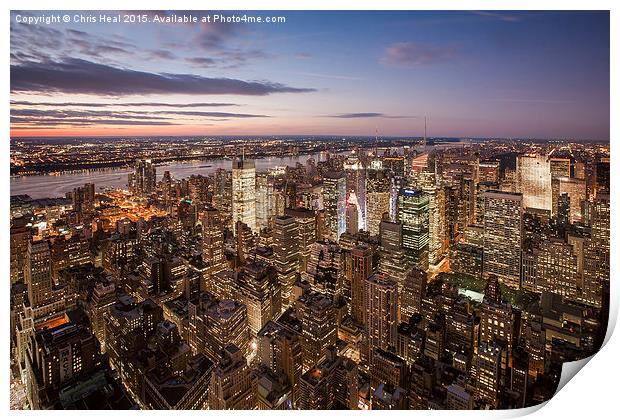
x=48, y=186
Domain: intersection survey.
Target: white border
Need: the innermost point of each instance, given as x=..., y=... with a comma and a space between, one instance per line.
x=591, y=394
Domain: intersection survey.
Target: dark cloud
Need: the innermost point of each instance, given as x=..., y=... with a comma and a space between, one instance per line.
x=124, y=104
x=69, y=113
x=201, y=61
x=163, y=54
x=411, y=54
x=78, y=76
x=85, y=121
x=366, y=115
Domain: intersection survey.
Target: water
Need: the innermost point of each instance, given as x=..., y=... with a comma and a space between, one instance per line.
x=44, y=186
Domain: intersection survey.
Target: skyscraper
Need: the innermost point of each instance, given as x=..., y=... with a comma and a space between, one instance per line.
x=362, y=269
x=232, y=383
x=334, y=202
x=378, y=185
x=413, y=212
x=144, y=177
x=381, y=304
x=286, y=253
x=317, y=314
x=534, y=181
x=503, y=220
x=244, y=192
x=212, y=246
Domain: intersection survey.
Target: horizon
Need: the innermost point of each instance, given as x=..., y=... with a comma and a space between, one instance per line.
x=506, y=74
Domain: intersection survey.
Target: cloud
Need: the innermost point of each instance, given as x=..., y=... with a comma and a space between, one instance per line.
x=331, y=76
x=201, y=61
x=367, y=115
x=153, y=115
x=76, y=76
x=85, y=121
x=411, y=54
x=124, y=104
x=496, y=15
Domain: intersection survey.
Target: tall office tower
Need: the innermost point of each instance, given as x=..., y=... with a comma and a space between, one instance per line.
x=318, y=319
x=393, y=262
x=559, y=167
x=212, y=246
x=381, y=305
x=391, y=235
x=222, y=195
x=389, y=369
x=38, y=273
x=352, y=216
x=576, y=191
x=83, y=200
x=361, y=257
x=486, y=367
x=19, y=240
x=563, y=211
x=481, y=188
x=258, y=288
x=306, y=222
x=57, y=356
x=326, y=271
x=280, y=349
x=556, y=269
x=334, y=381
x=596, y=252
x=498, y=323
x=67, y=253
x=167, y=187
x=286, y=254
x=413, y=213
x=144, y=177
x=488, y=171
x=334, y=202
x=244, y=192
x=356, y=186
x=264, y=201
x=503, y=231
x=198, y=186
x=378, y=187
x=102, y=297
x=438, y=239
x=232, y=383
x=414, y=290
x=534, y=181
x=214, y=323
x=601, y=178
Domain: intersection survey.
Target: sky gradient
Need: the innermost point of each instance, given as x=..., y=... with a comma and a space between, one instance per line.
x=473, y=74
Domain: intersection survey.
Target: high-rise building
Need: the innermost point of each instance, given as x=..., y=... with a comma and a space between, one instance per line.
x=438, y=239
x=256, y=285
x=413, y=212
x=325, y=271
x=503, y=223
x=20, y=237
x=143, y=179
x=232, y=383
x=352, y=216
x=264, y=201
x=286, y=253
x=412, y=293
x=317, y=314
x=596, y=252
x=334, y=202
x=378, y=186
x=556, y=268
x=280, y=349
x=361, y=257
x=212, y=246
x=38, y=273
x=306, y=222
x=244, y=192
x=487, y=370
x=381, y=303
x=214, y=323
x=534, y=181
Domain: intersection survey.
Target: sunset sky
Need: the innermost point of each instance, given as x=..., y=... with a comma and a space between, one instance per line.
x=474, y=74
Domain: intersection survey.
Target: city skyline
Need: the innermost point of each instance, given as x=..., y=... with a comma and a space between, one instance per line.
x=473, y=74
